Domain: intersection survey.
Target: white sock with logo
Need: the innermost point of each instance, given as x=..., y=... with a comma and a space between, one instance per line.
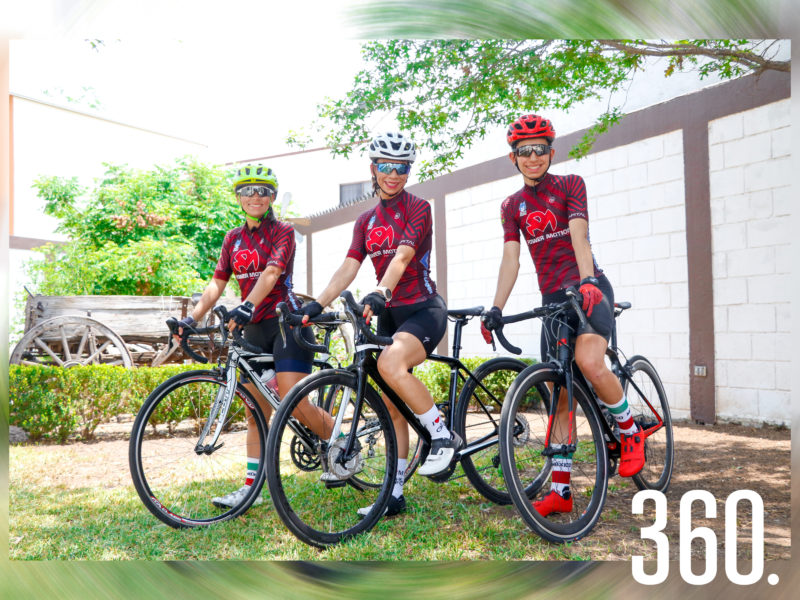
x=434, y=423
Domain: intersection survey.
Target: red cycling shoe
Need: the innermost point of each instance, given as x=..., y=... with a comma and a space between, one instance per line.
x=632, y=454
x=553, y=503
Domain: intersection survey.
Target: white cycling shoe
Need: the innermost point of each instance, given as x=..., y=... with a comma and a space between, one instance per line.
x=235, y=498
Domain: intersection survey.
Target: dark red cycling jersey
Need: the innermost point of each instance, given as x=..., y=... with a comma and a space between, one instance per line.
x=405, y=220
x=542, y=213
x=246, y=254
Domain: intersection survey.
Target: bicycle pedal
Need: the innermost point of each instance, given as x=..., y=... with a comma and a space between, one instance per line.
x=444, y=475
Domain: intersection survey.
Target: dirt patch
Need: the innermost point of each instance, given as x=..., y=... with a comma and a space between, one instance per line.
x=720, y=459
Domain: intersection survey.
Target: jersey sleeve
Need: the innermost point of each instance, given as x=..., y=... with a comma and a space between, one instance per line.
x=357, y=249
x=224, y=269
x=282, y=246
x=575, y=189
x=418, y=224
x=509, y=222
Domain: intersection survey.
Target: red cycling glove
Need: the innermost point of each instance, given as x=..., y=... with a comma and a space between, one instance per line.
x=591, y=294
x=487, y=335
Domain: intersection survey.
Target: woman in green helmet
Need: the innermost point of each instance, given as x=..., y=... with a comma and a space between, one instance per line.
x=260, y=254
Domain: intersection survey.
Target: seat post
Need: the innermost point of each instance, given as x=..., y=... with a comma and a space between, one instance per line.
x=459, y=321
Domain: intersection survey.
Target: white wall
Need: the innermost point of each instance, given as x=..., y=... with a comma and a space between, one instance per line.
x=751, y=202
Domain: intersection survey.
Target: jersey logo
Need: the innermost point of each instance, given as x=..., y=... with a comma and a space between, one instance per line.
x=538, y=221
x=380, y=236
x=244, y=260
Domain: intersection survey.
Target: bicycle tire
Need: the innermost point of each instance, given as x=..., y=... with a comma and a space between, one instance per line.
x=660, y=446
x=477, y=419
x=589, y=475
x=323, y=514
x=175, y=482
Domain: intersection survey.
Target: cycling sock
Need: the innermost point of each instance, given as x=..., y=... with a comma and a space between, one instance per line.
x=562, y=467
x=433, y=423
x=252, y=468
x=399, y=479
x=623, y=416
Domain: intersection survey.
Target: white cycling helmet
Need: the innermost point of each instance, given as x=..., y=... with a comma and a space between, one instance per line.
x=393, y=146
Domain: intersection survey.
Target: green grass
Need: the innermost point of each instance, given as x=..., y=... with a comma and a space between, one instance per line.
x=107, y=521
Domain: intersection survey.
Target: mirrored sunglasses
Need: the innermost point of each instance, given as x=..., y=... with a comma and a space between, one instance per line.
x=255, y=190
x=528, y=149
x=387, y=168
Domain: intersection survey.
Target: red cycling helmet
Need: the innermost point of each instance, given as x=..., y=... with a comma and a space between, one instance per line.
x=530, y=126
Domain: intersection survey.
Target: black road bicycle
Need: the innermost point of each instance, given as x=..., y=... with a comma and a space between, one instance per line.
x=593, y=437
x=318, y=485
x=188, y=442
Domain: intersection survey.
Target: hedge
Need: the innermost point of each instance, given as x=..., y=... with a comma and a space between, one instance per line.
x=54, y=403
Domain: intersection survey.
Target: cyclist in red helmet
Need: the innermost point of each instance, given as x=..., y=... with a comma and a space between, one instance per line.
x=550, y=213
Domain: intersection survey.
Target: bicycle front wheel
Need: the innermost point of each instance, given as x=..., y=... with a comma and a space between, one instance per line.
x=176, y=479
x=589, y=473
x=659, y=448
x=477, y=421
x=317, y=507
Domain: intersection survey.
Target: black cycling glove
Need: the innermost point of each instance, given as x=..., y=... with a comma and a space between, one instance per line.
x=375, y=301
x=311, y=309
x=243, y=313
x=492, y=318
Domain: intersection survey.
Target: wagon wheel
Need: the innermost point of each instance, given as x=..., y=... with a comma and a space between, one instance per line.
x=71, y=341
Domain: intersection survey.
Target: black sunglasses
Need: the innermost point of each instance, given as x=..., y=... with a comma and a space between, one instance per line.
x=387, y=168
x=528, y=149
x=255, y=190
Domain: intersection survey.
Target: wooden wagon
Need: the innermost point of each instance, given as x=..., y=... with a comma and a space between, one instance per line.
x=69, y=331
x=116, y=330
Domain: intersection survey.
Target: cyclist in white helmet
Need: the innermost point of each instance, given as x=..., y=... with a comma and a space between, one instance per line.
x=397, y=235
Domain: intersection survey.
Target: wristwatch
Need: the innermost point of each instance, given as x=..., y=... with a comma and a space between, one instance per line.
x=385, y=292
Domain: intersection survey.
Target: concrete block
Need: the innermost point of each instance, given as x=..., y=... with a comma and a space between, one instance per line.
x=677, y=244
x=602, y=230
x=669, y=168
x=773, y=173
x=728, y=237
x=782, y=201
x=737, y=404
x=637, y=273
x=716, y=157
x=600, y=184
x=767, y=117
x=727, y=182
x=669, y=219
x=649, y=198
x=781, y=142
x=613, y=252
x=727, y=128
x=678, y=395
x=783, y=376
x=673, y=142
x=769, y=289
x=733, y=346
x=612, y=159
x=719, y=265
x=652, y=296
x=751, y=261
x=769, y=232
x=632, y=177
x=679, y=345
x=657, y=246
x=775, y=406
x=785, y=258
x=783, y=318
x=730, y=291
x=679, y=295
x=671, y=270
x=634, y=226
x=671, y=320
x=646, y=150
x=772, y=346
x=737, y=153
x=754, y=318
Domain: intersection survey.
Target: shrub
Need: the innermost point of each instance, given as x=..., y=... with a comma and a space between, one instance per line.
x=55, y=403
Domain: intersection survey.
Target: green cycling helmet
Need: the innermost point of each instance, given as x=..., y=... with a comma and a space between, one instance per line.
x=249, y=174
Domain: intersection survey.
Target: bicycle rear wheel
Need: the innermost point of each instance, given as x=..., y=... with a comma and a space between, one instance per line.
x=589, y=474
x=477, y=421
x=659, y=447
x=318, y=512
x=175, y=481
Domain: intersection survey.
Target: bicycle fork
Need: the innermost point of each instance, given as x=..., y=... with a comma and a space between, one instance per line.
x=218, y=413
